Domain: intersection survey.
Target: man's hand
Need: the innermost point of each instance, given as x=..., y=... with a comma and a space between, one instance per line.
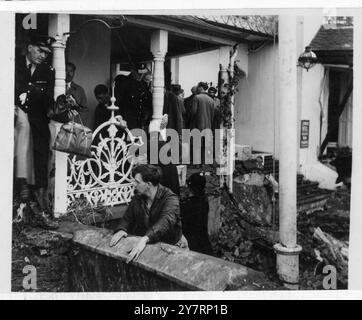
x=117, y=237
x=72, y=99
x=137, y=250
x=72, y=113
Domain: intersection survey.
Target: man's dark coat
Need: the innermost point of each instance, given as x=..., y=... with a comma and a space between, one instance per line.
x=134, y=100
x=162, y=222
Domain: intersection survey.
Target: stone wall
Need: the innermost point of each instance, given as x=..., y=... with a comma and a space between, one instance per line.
x=97, y=267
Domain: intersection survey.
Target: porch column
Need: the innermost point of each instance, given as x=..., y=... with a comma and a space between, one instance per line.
x=288, y=250
x=58, y=25
x=159, y=44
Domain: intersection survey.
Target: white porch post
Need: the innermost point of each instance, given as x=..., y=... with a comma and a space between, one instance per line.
x=58, y=25
x=159, y=45
x=288, y=250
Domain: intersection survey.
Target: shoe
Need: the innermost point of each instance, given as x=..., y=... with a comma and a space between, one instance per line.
x=41, y=220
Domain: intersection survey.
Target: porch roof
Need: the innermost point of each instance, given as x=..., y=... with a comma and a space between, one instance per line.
x=217, y=30
x=334, y=45
x=187, y=34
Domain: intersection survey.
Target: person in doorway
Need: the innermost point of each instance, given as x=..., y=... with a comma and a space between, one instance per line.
x=101, y=113
x=174, y=108
x=202, y=109
x=153, y=213
x=217, y=115
x=34, y=97
x=76, y=91
x=194, y=215
x=212, y=93
x=202, y=116
x=134, y=98
x=188, y=105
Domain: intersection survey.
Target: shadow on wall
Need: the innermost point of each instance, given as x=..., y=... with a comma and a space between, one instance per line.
x=90, y=50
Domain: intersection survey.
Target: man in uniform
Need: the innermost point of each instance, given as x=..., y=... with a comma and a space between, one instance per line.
x=34, y=92
x=134, y=98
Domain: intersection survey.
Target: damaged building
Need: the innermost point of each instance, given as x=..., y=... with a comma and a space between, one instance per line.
x=289, y=153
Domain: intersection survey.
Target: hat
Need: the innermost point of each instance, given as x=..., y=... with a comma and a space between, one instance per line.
x=204, y=85
x=176, y=88
x=43, y=42
x=197, y=182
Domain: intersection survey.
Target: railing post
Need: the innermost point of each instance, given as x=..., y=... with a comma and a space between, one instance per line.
x=159, y=44
x=58, y=26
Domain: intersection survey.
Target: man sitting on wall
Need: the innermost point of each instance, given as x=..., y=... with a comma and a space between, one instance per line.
x=153, y=214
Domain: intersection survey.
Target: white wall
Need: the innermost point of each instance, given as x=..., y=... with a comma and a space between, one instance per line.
x=311, y=90
x=257, y=100
x=189, y=70
x=256, y=104
x=90, y=51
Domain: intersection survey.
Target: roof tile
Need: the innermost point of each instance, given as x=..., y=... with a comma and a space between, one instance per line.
x=332, y=39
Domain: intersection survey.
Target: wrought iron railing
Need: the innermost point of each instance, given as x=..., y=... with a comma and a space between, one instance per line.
x=106, y=177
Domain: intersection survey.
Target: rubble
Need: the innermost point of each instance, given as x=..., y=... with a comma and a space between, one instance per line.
x=47, y=251
x=247, y=230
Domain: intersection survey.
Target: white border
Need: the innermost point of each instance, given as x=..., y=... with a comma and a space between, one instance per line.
x=159, y=6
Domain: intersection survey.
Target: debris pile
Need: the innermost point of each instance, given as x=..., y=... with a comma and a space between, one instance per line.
x=81, y=211
x=242, y=238
x=44, y=250
x=324, y=238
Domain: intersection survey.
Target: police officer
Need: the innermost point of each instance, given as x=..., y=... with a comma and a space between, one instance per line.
x=34, y=92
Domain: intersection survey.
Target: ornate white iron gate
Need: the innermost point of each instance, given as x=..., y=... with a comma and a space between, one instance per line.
x=105, y=178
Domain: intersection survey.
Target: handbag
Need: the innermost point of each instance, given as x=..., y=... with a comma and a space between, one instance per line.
x=74, y=138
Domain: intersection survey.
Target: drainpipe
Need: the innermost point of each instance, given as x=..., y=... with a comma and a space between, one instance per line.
x=287, y=249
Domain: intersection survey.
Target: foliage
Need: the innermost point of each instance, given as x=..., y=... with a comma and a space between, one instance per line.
x=226, y=102
x=85, y=213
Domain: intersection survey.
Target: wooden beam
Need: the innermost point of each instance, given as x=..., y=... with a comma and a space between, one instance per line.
x=187, y=33
x=213, y=48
